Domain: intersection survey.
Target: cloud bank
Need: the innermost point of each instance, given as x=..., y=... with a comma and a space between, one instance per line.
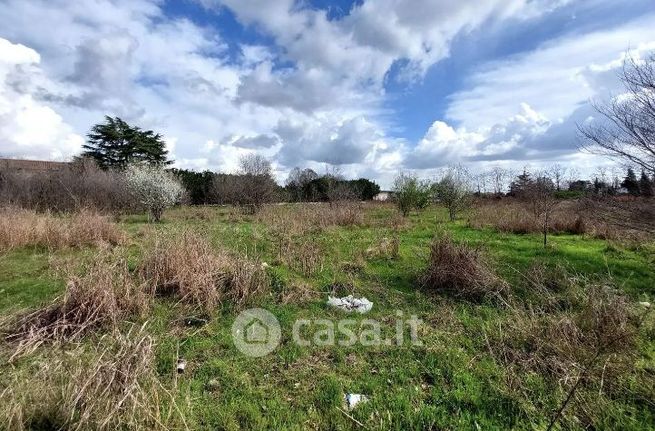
x=310, y=88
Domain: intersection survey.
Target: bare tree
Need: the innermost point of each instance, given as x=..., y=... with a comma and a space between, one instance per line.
x=627, y=129
x=481, y=182
x=298, y=181
x=557, y=173
x=572, y=176
x=499, y=178
x=256, y=186
x=539, y=195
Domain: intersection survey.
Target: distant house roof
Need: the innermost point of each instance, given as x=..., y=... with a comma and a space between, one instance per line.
x=31, y=165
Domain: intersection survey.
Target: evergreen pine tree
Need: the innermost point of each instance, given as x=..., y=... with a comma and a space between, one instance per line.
x=645, y=185
x=520, y=184
x=114, y=144
x=630, y=183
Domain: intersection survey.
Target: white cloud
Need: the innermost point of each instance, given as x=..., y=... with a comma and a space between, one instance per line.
x=316, y=97
x=28, y=129
x=525, y=110
x=443, y=144
x=554, y=79
x=345, y=61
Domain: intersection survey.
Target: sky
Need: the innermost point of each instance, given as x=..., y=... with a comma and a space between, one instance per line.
x=368, y=87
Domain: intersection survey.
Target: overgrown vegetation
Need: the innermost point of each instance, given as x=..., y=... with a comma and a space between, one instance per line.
x=187, y=267
x=513, y=335
x=460, y=271
x=24, y=228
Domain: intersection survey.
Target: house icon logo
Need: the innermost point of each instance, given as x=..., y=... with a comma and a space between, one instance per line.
x=256, y=332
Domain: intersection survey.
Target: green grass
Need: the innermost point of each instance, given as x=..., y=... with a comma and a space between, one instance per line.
x=450, y=382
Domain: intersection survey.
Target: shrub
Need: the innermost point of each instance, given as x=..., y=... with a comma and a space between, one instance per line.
x=453, y=191
x=460, y=271
x=410, y=193
x=153, y=187
x=187, y=267
x=253, y=187
x=21, y=228
x=80, y=184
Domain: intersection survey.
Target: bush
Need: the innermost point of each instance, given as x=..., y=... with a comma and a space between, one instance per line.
x=153, y=187
x=251, y=189
x=460, y=271
x=79, y=185
x=453, y=191
x=410, y=193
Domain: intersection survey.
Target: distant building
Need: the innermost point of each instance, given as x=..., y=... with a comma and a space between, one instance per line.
x=622, y=191
x=30, y=166
x=384, y=195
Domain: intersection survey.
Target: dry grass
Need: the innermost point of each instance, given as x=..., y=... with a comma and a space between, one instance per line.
x=512, y=216
x=298, y=293
x=112, y=386
x=20, y=228
x=558, y=343
x=187, y=267
x=572, y=217
x=309, y=217
x=460, y=271
x=305, y=256
x=102, y=297
x=200, y=213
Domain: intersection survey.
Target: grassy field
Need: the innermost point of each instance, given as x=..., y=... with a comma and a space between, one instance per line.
x=475, y=367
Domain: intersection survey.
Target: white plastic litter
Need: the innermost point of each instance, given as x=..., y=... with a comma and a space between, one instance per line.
x=645, y=304
x=353, y=399
x=350, y=303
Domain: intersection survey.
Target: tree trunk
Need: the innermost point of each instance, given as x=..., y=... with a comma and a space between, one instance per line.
x=156, y=214
x=545, y=229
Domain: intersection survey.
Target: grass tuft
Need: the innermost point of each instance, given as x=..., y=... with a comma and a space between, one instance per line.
x=459, y=271
x=102, y=297
x=187, y=267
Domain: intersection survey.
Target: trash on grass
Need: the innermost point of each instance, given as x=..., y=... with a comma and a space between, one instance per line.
x=353, y=399
x=181, y=365
x=350, y=303
x=195, y=321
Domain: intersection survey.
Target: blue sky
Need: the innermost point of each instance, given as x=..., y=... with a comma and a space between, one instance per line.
x=369, y=87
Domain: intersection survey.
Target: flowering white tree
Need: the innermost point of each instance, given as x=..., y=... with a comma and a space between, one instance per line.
x=154, y=188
